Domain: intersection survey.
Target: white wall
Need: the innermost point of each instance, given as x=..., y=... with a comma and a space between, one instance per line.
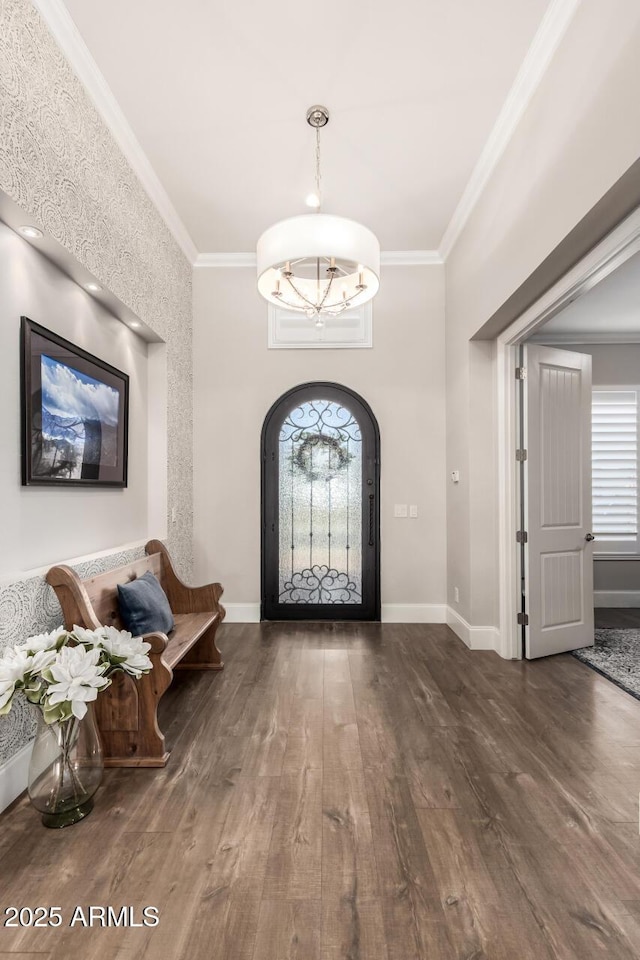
x=42, y=526
x=613, y=363
x=577, y=137
x=236, y=379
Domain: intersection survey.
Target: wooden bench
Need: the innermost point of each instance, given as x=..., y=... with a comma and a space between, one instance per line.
x=127, y=710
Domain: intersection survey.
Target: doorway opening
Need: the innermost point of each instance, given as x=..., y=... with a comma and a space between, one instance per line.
x=548, y=463
x=320, y=454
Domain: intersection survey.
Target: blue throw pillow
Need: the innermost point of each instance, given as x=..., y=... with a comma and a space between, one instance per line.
x=144, y=607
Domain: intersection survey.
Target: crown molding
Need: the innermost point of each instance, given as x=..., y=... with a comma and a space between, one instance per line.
x=388, y=258
x=545, y=43
x=69, y=39
x=410, y=258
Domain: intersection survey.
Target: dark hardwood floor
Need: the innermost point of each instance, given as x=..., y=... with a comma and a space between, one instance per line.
x=356, y=792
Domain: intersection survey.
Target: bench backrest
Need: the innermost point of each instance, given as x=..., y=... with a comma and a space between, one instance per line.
x=103, y=589
x=92, y=602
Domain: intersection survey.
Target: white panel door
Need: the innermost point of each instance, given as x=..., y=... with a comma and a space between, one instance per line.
x=559, y=555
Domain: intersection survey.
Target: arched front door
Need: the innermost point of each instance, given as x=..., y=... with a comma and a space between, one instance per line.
x=320, y=507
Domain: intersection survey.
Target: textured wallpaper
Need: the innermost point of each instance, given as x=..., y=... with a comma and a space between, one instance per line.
x=28, y=607
x=59, y=162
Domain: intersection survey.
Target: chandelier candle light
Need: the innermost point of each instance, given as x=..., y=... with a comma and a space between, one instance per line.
x=318, y=264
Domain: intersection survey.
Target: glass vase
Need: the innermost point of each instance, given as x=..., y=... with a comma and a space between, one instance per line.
x=65, y=769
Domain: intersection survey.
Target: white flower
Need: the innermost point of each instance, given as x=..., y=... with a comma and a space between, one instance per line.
x=76, y=677
x=62, y=678
x=44, y=641
x=42, y=659
x=15, y=665
x=7, y=689
x=127, y=652
x=17, y=669
x=91, y=638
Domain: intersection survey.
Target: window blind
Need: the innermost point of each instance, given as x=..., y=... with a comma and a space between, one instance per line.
x=615, y=464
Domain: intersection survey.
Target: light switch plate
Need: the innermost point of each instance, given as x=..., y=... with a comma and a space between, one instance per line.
x=400, y=510
x=413, y=510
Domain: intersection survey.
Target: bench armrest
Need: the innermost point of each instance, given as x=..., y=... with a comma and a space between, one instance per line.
x=183, y=598
x=158, y=641
x=203, y=599
x=161, y=675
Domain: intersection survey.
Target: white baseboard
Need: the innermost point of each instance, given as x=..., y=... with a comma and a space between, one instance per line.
x=476, y=638
x=414, y=613
x=13, y=776
x=616, y=598
x=242, y=612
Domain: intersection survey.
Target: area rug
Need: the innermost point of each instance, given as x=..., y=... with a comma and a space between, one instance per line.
x=616, y=655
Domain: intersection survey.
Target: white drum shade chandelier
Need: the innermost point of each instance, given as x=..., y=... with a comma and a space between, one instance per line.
x=318, y=264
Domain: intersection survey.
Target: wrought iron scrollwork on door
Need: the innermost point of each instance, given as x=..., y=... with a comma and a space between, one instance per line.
x=320, y=585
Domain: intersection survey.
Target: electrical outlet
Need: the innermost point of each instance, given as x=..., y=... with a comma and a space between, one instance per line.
x=455, y=476
x=456, y=595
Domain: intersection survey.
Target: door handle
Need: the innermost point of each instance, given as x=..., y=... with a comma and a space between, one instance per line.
x=371, y=519
x=589, y=537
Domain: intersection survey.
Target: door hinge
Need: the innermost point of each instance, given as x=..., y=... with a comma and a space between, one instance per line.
x=523, y=619
x=522, y=536
x=521, y=373
x=521, y=456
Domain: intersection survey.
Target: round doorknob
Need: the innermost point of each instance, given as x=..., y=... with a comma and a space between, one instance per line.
x=589, y=537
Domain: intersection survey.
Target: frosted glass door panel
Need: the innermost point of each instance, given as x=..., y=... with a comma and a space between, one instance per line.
x=320, y=505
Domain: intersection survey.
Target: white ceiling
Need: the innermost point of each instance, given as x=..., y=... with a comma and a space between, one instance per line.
x=610, y=309
x=216, y=92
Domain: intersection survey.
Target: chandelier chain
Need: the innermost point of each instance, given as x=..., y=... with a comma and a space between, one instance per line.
x=318, y=174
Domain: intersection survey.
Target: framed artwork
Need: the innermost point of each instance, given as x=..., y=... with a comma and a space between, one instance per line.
x=75, y=414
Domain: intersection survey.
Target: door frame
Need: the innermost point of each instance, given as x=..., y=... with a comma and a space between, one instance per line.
x=614, y=250
x=321, y=385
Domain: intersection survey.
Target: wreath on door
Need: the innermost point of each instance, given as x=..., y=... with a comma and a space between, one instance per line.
x=338, y=455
